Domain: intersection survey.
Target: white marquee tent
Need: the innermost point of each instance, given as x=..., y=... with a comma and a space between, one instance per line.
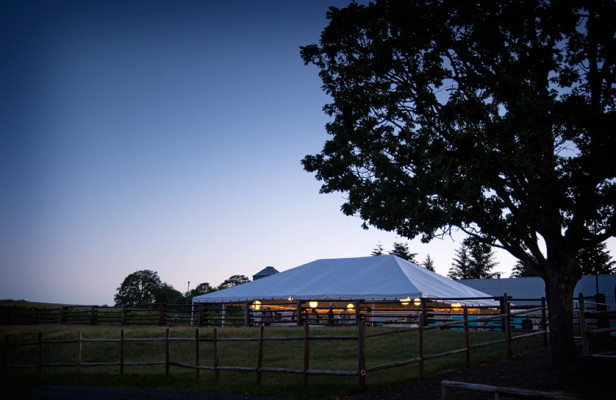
x=373, y=278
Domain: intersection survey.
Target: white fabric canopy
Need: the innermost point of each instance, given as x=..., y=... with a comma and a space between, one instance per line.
x=386, y=277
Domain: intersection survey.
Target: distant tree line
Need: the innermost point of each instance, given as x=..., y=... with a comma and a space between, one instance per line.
x=146, y=287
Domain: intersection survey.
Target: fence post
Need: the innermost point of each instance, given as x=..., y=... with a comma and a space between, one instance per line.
x=93, y=316
x=79, y=350
x=502, y=309
x=544, y=322
x=167, y=352
x=5, y=353
x=124, y=315
x=161, y=315
x=582, y=320
x=445, y=393
x=260, y=356
x=467, y=342
x=246, y=313
x=508, y=325
x=197, y=352
x=62, y=315
x=40, y=352
x=202, y=315
x=122, y=352
x=216, y=359
x=299, y=313
x=306, y=351
x=420, y=332
x=361, y=359
x=357, y=311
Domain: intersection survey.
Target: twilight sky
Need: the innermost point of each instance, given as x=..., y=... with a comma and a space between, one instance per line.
x=167, y=136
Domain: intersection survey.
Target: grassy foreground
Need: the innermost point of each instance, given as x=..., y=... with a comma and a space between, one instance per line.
x=324, y=355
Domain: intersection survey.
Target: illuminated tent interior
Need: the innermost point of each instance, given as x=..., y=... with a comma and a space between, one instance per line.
x=374, y=278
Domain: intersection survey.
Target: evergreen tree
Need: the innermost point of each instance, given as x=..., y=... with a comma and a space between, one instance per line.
x=378, y=250
x=521, y=271
x=482, y=259
x=596, y=260
x=461, y=266
x=402, y=250
x=428, y=263
x=474, y=260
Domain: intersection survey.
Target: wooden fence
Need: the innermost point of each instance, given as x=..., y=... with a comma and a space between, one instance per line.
x=595, y=325
x=296, y=312
x=465, y=324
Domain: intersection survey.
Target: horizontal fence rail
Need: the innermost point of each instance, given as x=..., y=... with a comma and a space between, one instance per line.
x=595, y=326
x=446, y=387
x=460, y=319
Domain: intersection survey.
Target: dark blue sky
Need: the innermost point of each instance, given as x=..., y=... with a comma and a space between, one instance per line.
x=164, y=135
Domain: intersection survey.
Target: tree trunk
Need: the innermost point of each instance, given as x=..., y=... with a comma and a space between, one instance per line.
x=559, y=293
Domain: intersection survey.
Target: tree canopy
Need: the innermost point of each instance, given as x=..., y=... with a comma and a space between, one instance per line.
x=233, y=281
x=140, y=287
x=495, y=117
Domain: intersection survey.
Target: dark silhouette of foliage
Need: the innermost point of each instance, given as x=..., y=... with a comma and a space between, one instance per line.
x=596, y=260
x=428, y=263
x=474, y=260
x=402, y=250
x=165, y=293
x=495, y=117
x=138, y=288
x=378, y=250
x=233, y=281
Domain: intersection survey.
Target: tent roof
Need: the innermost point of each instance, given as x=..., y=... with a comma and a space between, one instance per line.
x=386, y=277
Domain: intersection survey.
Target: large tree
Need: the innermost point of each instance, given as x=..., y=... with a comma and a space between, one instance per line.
x=495, y=117
x=140, y=287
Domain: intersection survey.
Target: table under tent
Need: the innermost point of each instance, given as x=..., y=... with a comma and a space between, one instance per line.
x=380, y=290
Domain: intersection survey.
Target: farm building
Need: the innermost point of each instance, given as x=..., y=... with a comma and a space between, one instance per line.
x=534, y=287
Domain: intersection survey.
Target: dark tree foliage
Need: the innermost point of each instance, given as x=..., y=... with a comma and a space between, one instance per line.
x=593, y=261
x=402, y=250
x=521, y=271
x=428, y=263
x=474, y=260
x=202, y=288
x=378, y=250
x=494, y=116
x=461, y=266
x=596, y=260
x=138, y=288
x=233, y=281
x=165, y=293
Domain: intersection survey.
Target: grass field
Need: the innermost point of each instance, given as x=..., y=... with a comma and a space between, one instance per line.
x=324, y=355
